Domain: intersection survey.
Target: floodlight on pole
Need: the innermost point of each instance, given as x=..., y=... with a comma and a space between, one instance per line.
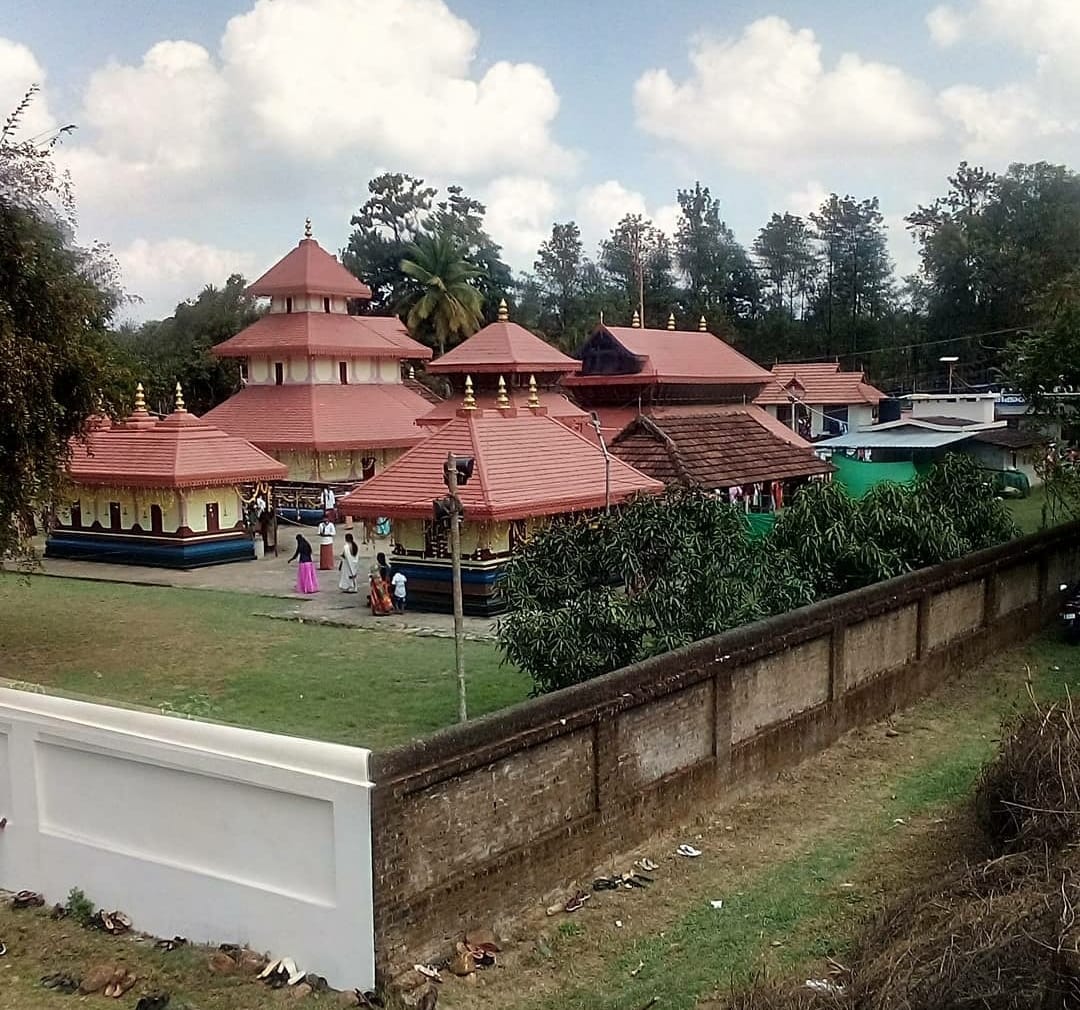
x=950, y=360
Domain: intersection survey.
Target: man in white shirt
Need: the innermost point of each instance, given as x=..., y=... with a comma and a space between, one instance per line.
x=398, y=582
x=328, y=500
x=327, y=531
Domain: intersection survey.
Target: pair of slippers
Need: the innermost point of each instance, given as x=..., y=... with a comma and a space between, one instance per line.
x=113, y=923
x=176, y=941
x=687, y=850
x=27, y=899
x=280, y=973
x=576, y=902
x=154, y=1001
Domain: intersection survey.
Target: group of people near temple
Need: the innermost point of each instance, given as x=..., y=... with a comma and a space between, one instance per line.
x=386, y=589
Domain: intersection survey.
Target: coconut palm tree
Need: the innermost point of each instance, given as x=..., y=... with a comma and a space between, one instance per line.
x=443, y=303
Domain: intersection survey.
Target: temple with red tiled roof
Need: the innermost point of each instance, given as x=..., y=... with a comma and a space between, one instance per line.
x=632, y=366
x=816, y=397
x=528, y=467
x=505, y=357
x=162, y=492
x=324, y=390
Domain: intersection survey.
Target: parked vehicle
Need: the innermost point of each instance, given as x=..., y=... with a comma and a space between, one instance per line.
x=1070, y=614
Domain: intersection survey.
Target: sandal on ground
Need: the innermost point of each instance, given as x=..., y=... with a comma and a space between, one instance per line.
x=428, y=972
x=605, y=884
x=687, y=850
x=61, y=982
x=3, y=949
x=577, y=901
x=166, y=945
x=648, y=865
x=27, y=899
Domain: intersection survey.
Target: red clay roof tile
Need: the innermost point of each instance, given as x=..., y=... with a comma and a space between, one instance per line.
x=526, y=465
x=819, y=383
x=324, y=417
x=309, y=270
x=506, y=348
x=324, y=333
x=180, y=451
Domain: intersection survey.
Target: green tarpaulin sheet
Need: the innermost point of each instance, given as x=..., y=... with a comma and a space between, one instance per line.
x=857, y=477
x=761, y=523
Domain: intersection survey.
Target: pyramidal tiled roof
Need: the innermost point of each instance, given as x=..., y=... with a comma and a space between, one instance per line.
x=309, y=270
x=506, y=348
x=527, y=464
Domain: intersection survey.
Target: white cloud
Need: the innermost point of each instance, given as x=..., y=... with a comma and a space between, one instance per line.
x=163, y=272
x=766, y=99
x=1002, y=119
x=520, y=210
x=19, y=69
x=946, y=25
x=599, y=208
x=803, y=202
x=1048, y=30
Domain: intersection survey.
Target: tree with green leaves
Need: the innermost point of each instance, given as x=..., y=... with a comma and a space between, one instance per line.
x=637, y=260
x=390, y=218
x=720, y=281
x=56, y=301
x=558, y=266
x=788, y=263
x=856, y=286
x=178, y=349
x=442, y=306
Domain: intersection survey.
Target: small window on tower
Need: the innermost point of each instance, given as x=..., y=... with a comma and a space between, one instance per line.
x=279, y=373
x=326, y=304
x=343, y=372
x=288, y=305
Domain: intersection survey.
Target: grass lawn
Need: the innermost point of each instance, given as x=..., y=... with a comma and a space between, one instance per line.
x=206, y=654
x=1028, y=511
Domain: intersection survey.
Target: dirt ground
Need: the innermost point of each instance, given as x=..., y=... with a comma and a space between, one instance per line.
x=797, y=863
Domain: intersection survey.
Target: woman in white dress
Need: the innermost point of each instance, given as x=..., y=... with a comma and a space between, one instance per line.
x=349, y=565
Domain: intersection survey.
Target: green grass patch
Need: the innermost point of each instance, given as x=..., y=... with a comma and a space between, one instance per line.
x=206, y=654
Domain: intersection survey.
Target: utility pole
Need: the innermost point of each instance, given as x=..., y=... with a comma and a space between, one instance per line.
x=451, y=475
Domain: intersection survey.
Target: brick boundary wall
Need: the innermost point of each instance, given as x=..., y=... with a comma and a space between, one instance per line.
x=479, y=821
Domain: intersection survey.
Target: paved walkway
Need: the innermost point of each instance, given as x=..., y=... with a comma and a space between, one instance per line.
x=272, y=577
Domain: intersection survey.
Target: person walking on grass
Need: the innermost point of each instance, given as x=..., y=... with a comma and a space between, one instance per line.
x=398, y=582
x=306, y=580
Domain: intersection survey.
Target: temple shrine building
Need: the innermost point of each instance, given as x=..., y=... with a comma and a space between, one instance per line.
x=529, y=467
x=324, y=391
x=164, y=492
x=504, y=357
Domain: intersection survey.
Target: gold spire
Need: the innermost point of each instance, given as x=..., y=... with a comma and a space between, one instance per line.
x=502, y=401
x=534, y=397
x=701, y=325
x=180, y=408
x=671, y=321
x=636, y=321
x=307, y=227
x=412, y=372
x=469, y=402
x=140, y=399
x=504, y=312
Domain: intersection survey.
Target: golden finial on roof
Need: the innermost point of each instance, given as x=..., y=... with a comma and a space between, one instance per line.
x=307, y=227
x=502, y=401
x=534, y=396
x=180, y=408
x=469, y=402
x=671, y=321
x=701, y=325
x=636, y=321
x=412, y=372
x=140, y=399
x=504, y=312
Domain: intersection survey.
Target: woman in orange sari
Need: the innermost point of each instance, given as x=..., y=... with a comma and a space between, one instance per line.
x=379, y=593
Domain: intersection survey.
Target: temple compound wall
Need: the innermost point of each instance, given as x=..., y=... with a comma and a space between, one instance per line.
x=480, y=821
x=205, y=831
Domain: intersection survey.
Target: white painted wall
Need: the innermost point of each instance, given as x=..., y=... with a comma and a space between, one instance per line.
x=211, y=832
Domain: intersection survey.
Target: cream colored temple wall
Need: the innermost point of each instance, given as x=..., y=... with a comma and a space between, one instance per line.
x=186, y=508
x=298, y=370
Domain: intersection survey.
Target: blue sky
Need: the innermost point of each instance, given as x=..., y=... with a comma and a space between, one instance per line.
x=209, y=130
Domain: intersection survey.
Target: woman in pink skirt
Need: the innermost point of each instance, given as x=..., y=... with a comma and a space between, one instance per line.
x=306, y=579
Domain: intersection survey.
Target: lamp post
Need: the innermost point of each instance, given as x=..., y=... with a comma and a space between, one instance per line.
x=950, y=360
x=607, y=463
x=456, y=470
